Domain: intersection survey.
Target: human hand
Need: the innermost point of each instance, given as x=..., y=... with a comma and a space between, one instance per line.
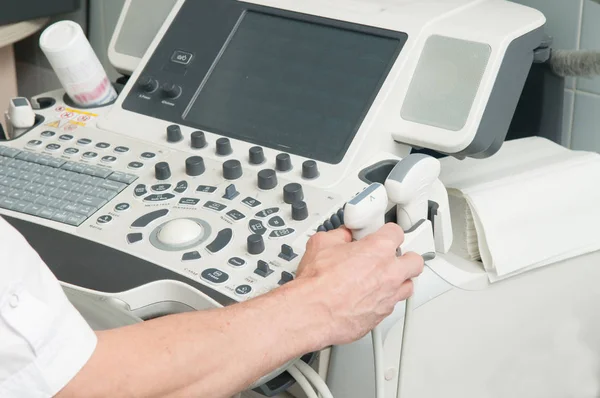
x=356, y=284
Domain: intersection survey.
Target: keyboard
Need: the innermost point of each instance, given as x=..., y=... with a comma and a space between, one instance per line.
x=56, y=189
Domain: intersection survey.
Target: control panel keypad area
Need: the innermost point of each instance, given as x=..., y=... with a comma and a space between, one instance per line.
x=56, y=189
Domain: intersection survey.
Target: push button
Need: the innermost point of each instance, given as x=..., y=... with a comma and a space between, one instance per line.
x=140, y=190
x=161, y=187
x=135, y=165
x=281, y=233
x=287, y=253
x=285, y=278
x=263, y=269
x=181, y=57
x=223, y=238
x=159, y=197
x=236, y=262
x=215, y=276
x=267, y=212
x=121, y=207
x=181, y=187
x=243, y=290
x=251, y=202
x=206, y=189
x=215, y=206
x=102, y=220
x=191, y=256
x=276, y=222
x=134, y=238
x=189, y=201
x=257, y=227
x=146, y=219
x=236, y=215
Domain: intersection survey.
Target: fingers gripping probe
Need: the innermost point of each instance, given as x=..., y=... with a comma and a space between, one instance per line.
x=363, y=215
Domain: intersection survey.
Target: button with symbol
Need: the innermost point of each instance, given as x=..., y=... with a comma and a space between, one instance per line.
x=65, y=137
x=34, y=143
x=90, y=155
x=71, y=151
x=121, y=149
x=135, y=165
x=53, y=147
x=181, y=57
x=148, y=155
x=102, y=145
x=243, y=290
x=121, y=207
x=103, y=220
x=47, y=134
x=215, y=276
x=109, y=159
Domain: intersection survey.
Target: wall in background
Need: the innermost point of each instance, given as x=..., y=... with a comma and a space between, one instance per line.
x=575, y=24
x=34, y=73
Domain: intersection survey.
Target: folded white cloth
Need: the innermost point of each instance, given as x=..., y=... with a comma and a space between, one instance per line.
x=532, y=204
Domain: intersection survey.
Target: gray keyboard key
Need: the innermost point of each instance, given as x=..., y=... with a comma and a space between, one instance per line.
x=71, y=207
x=8, y=203
x=79, y=168
x=79, y=178
x=112, y=185
x=10, y=152
x=50, y=172
x=93, y=181
x=45, y=201
x=101, y=193
x=65, y=175
x=68, y=166
x=91, y=201
x=33, y=157
x=20, y=185
x=33, y=209
x=38, y=169
x=89, y=170
x=4, y=191
x=75, y=219
x=7, y=181
x=14, y=173
x=20, y=206
x=46, y=191
x=34, y=187
x=30, y=197
x=52, y=182
x=68, y=186
x=81, y=189
x=59, y=193
x=28, y=176
x=102, y=172
x=60, y=216
x=24, y=156
x=60, y=203
x=44, y=160
x=80, y=209
x=56, y=162
x=16, y=194
x=46, y=213
x=122, y=177
x=16, y=163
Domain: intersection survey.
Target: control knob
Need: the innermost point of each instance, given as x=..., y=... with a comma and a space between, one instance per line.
x=174, y=133
x=198, y=140
x=232, y=169
x=267, y=179
x=194, y=166
x=256, y=244
x=147, y=84
x=224, y=147
x=283, y=162
x=162, y=170
x=293, y=193
x=299, y=211
x=310, y=170
x=256, y=155
x=171, y=90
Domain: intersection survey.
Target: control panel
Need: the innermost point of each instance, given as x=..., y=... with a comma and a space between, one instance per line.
x=228, y=220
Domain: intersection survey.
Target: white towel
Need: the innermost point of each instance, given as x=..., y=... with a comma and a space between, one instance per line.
x=532, y=204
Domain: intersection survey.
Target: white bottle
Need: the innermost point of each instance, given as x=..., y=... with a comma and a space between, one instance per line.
x=76, y=64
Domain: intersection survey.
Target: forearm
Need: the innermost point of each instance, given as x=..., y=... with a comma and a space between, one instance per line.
x=205, y=354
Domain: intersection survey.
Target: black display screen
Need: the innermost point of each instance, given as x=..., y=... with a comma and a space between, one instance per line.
x=299, y=86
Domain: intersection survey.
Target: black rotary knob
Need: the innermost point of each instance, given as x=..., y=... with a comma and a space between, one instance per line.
x=283, y=162
x=171, y=90
x=198, y=140
x=162, y=170
x=174, y=133
x=147, y=84
x=256, y=155
x=293, y=193
x=224, y=147
x=256, y=244
x=310, y=170
x=299, y=211
x=194, y=166
x=267, y=179
x=232, y=169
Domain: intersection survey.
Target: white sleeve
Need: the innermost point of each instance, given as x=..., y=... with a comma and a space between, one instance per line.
x=44, y=340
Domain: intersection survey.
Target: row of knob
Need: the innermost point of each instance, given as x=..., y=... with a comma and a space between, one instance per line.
x=293, y=193
x=256, y=155
x=150, y=85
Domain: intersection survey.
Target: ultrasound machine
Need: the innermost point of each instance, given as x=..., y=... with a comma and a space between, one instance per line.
x=247, y=126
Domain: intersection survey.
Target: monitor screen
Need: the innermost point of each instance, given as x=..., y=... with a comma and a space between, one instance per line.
x=295, y=85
